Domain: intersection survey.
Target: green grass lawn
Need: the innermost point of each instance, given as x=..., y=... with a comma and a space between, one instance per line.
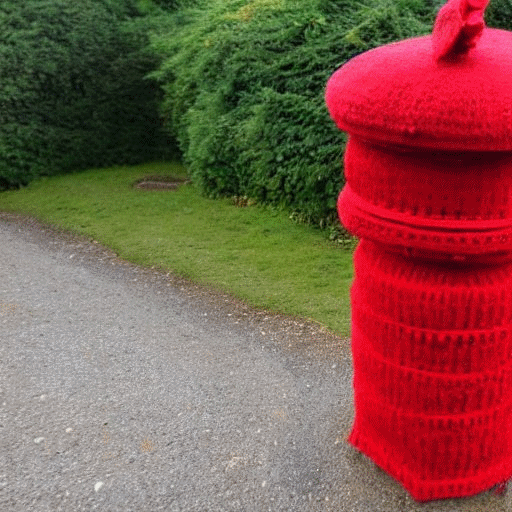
x=252, y=252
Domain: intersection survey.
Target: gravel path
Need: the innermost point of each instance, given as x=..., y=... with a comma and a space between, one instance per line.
x=126, y=389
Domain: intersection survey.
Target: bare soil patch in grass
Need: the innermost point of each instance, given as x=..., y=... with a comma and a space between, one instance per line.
x=160, y=182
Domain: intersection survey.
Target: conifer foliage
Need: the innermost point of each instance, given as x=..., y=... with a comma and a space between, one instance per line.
x=238, y=84
x=244, y=89
x=72, y=88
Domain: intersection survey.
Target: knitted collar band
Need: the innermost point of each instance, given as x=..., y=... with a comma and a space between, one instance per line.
x=449, y=202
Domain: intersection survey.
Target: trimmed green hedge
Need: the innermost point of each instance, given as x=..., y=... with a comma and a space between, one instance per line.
x=72, y=88
x=244, y=91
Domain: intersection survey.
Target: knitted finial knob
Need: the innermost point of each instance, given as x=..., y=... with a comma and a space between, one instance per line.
x=458, y=26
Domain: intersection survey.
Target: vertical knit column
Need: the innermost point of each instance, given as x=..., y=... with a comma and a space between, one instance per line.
x=432, y=350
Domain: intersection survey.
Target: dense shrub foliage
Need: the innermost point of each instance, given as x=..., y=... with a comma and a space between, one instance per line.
x=239, y=84
x=173, y=5
x=499, y=14
x=244, y=84
x=72, y=88
x=244, y=91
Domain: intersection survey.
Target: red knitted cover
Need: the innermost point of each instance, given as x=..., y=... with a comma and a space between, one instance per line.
x=432, y=349
x=453, y=203
x=428, y=190
x=400, y=93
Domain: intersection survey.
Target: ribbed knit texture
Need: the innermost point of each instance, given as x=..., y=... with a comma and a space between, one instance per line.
x=428, y=169
x=455, y=203
x=432, y=349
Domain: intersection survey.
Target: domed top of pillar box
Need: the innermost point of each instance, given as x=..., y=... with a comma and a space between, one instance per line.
x=428, y=164
x=448, y=90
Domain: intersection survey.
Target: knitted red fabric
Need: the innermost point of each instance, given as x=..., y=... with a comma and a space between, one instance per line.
x=458, y=27
x=432, y=349
x=428, y=169
x=400, y=93
x=451, y=202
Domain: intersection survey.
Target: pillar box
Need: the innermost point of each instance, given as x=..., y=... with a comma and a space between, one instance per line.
x=428, y=192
